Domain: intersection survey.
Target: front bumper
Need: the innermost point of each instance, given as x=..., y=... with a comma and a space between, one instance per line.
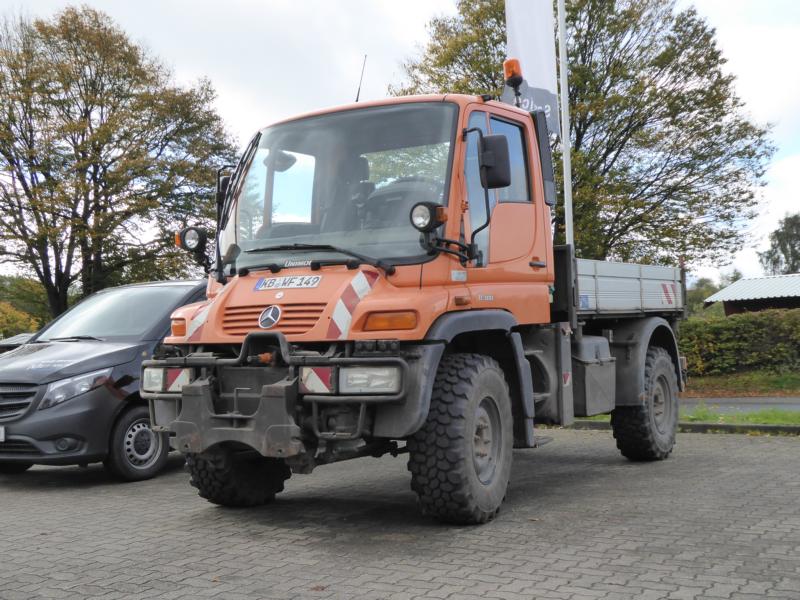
x=266, y=412
x=85, y=421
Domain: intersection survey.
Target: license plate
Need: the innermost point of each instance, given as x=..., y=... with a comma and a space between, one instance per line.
x=295, y=281
x=2, y=433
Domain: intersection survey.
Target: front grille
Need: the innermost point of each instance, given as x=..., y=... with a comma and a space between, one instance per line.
x=295, y=318
x=17, y=447
x=15, y=398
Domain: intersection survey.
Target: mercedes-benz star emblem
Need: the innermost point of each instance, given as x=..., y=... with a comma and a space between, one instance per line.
x=269, y=317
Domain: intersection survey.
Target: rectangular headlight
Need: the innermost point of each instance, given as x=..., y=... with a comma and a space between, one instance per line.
x=369, y=380
x=153, y=379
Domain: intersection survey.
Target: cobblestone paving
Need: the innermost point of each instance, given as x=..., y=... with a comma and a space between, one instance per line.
x=720, y=519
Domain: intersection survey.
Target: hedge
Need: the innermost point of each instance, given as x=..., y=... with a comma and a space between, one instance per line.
x=768, y=339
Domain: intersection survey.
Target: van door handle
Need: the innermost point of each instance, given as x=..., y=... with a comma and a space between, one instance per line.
x=537, y=264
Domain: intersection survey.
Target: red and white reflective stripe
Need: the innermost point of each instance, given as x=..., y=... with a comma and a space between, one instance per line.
x=177, y=378
x=196, y=324
x=670, y=292
x=316, y=380
x=342, y=316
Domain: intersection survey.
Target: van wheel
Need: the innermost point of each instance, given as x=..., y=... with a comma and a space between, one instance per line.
x=136, y=452
x=14, y=468
x=229, y=478
x=647, y=432
x=460, y=461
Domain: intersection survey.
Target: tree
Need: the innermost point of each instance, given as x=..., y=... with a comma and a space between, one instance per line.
x=697, y=294
x=26, y=295
x=783, y=255
x=664, y=160
x=102, y=155
x=13, y=321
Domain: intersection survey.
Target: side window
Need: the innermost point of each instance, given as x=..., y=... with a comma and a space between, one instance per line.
x=519, y=190
x=475, y=192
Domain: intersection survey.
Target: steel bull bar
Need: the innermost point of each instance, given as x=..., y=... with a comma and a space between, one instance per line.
x=271, y=429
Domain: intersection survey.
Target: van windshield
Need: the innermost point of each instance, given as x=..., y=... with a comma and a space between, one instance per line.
x=119, y=313
x=346, y=179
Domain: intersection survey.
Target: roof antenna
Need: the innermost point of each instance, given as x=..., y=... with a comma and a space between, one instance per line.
x=364, y=64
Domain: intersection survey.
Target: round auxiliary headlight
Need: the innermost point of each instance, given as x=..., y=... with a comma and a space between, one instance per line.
x=191, y=239
x=421, y=216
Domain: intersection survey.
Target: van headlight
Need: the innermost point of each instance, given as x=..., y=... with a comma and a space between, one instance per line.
x=66, y=389
x=369, y=380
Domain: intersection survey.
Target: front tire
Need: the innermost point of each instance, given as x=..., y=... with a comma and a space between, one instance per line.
x=14, y=468
x=460, y=461
x=238, y=479
x=647, y=432
x=136, y=452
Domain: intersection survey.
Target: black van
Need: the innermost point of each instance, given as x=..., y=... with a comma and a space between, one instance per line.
x=70, y=395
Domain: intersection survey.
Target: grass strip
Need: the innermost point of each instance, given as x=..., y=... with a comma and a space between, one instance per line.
x=704, y=414
x=747, y=383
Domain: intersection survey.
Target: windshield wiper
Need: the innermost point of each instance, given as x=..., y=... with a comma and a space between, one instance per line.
x=375, y=262
x=73, y=338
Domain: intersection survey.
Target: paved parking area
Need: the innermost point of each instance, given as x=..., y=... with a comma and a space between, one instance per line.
x=720, y=519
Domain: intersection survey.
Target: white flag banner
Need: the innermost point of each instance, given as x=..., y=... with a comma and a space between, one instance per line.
x=530, y=38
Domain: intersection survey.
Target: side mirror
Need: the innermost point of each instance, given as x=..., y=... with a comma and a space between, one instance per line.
x=494, y=163
x=222, y=188
x=545, y=156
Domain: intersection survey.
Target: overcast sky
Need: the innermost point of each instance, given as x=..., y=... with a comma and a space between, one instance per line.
x=269, y=59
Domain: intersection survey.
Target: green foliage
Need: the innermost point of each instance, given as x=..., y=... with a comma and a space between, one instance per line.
x=696, y=295
x=26, y=295
x=13, y=321
x=665, y=161
x=783, y=255
x=768, y=339
x=102, y=155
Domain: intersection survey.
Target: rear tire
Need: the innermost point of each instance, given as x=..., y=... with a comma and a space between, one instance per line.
x=14, y=468
x=647, y=432
x=460, y=461
x=135, y=451
x=238, y=479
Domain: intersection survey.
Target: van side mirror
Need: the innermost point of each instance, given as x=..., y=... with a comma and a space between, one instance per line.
x=494, y=162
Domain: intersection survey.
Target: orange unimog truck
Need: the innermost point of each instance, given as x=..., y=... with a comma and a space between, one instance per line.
x=385, y=281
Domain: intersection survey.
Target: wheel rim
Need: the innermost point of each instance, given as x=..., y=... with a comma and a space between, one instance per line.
x=662, y=407
x=142, y=445
x=486, y=444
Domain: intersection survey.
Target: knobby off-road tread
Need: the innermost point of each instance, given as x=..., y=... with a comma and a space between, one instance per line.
x=633, y=426
x=438, y=458
x=225, y=479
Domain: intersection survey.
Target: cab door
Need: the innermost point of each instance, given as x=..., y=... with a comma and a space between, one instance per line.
x=513, y=271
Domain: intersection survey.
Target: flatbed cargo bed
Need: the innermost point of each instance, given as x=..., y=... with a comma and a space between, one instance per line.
x=617, y=288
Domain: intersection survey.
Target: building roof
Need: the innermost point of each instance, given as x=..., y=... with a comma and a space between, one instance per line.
x=759, y=288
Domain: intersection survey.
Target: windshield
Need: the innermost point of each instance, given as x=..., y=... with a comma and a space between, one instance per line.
x=120, y=313
x=346, y=179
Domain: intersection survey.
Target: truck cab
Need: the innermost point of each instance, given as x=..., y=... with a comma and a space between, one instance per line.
x=385, y=281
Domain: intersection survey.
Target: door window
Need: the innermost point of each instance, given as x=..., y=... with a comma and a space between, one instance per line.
x=519, y=190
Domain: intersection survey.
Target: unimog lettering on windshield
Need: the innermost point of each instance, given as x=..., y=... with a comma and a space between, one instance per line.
x=278, y=283
x=422, y=339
